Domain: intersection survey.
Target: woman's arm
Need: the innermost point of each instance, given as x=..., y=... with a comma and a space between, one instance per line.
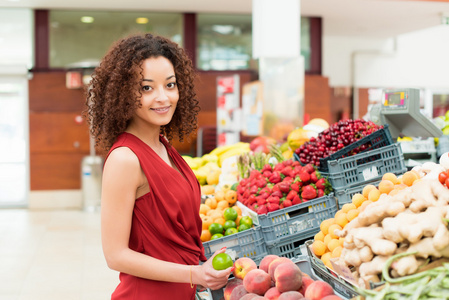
x=122, y=176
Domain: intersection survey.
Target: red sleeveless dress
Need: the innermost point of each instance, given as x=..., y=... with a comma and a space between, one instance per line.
x=165, y=223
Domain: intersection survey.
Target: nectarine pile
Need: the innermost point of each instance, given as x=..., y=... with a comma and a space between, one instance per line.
x=276, y=278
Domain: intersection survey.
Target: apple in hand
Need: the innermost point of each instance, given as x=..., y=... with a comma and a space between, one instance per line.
x=242, y=266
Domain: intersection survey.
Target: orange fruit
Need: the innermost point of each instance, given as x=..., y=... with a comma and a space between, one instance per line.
x=207, y=220
x=219, y=195
x=365, y=204
x=374, y=195
x=352, y=214
x=409, y=177
x=216, y=213
x=324, y=226
x=385, y=186
x=327, y=239
x=341, y=220
x=231, y=197
x=334, y=243
x=222, y=205
x=367, y=189
x=238, y=210
x=358, y=199
x=347, y=207
x=326, y=259
x=319, y=236
x=205, y=235
x=211, y=202
x=332, y=229
x=204, y=208
x=318, y=248
x=336, y=252
x=390, y=177
x=220, y=220
x=237, y=221
x=338, y=213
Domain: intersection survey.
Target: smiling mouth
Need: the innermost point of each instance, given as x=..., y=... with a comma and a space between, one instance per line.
x=161, y=109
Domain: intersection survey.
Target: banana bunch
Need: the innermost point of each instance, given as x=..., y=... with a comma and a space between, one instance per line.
x=224, y=152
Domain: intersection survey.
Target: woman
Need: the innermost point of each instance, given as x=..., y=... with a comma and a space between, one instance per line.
x=140, y=97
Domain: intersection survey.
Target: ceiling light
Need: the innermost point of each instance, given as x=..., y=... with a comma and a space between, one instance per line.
x=223, y=29
x=142, y=20
x=87, y=19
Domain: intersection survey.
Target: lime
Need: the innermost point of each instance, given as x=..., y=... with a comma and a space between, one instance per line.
x=229, y=224
x=230, y=214
x=230, y=231
x=247, y=221
x=216, y=236
x=243, y=227
x=215, y=228
x=234, y=186
x=222, y=261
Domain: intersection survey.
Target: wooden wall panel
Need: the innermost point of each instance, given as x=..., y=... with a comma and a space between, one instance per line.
x=341, y=100
x=55, y=132
x=57, y=171
x=363, y=101
x=48, y=93
x=317, y=102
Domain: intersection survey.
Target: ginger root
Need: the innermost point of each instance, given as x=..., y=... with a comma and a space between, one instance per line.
x=372, y=237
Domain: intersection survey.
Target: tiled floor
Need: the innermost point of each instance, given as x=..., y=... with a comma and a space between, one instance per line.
x=53, y=255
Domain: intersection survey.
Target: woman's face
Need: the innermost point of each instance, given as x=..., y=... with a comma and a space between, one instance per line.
x=159, y=92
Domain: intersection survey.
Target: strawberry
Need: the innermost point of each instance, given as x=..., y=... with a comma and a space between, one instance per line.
x=320, y=193
x=287, y=171
x=267, y=167
x=309, y=168
x=272, y=207
x=309, y=192
x=296, y=200
x=295, y=186
x=305, y=177
x=324, y=184
x=273, y=199
x=315, y=176
x=284, y=187
x=287, y=203
x=261, y=210
x=276, y=193
x=275, y=177
x=267, y=174
x=287, y=162
x=291, y=195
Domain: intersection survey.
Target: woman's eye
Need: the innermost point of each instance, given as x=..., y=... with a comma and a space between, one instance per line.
x=171, y=85
x=146, y=88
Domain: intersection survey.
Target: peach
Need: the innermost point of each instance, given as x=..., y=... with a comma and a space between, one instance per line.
x=306, y=281
x=251, y=296
x=332, y=297
x=272, y=294
x=231, y=285
x=288, y=277
x=318, y=290
x=242, y=266
x=291, y=295
x=257, y=282
x=273, y=265
x=266, y=261
x=238, y=292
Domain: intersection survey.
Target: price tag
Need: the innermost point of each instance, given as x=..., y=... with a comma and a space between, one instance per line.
x=370, y=173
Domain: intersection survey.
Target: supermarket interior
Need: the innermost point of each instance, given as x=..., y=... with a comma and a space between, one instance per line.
x=323, y=126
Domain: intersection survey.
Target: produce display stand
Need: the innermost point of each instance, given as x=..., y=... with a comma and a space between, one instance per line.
x=302, y=261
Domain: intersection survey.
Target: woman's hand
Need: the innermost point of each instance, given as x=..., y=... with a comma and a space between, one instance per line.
x=211, y=278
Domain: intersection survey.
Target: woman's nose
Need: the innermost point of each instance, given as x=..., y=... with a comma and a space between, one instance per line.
x=161, y=94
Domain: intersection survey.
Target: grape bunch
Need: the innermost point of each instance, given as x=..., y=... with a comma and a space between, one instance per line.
x=334, y=138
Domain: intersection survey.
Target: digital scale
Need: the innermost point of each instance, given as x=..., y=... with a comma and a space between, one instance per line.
x=400, y=109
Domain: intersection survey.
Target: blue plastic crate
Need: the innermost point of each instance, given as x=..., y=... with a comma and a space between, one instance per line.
x=290, y=245
x=248, y=243
x=304, y=218
x=366, y=166
x=344, y=195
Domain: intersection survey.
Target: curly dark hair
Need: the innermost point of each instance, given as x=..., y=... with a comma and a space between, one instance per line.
x=110, y=96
